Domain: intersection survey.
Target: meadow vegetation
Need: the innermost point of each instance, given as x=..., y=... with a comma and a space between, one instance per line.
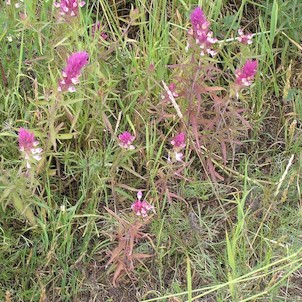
x=150, y=150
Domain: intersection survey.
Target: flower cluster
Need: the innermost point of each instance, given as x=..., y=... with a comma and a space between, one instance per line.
x=27, y=145
x=126, y=140
x=245, y=75
x=96, y=29
x=201, y=33
x=178, y=143
x=69, y=7
x=71, y=73
x=244, y=39
x=141, y=208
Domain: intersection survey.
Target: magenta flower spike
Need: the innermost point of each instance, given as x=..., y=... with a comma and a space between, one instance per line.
x=141, y=208
x=245, y=75
x=244, y=39
x=198, y=19
x=72, y=72
x=178, y=143
x=27, y=146
x=201, y=33
x=126, y=140
x=69, y=8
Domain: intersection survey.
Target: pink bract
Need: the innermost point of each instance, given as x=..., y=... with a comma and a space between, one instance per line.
x=141, y=208
x=245, y=75
x=27, y=146
x=201, y=33
x=179, y=141
x=72, y=72
x=198, y=19
x=244, y=39
x=26, y=139
x=125, y=140
x=69, y=7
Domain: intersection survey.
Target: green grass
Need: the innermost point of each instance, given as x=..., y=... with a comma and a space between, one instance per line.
x=233, y=240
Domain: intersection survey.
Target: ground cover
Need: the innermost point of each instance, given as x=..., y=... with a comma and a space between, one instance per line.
x=150, y=151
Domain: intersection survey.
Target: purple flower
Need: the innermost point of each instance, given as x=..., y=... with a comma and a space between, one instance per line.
x=27, y=145
x=179, y=141
x=96, y=28
x=69, y=7
x=71, y=73
x=201, y=33
x=244, y=39
x=141, y=208
x=198, y=19
x=245, y=75
x=126, y=140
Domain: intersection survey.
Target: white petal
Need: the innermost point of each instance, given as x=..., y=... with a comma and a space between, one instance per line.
x=71, y=89
x=37, y=157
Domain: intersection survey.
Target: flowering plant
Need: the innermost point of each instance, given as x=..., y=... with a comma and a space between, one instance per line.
x=125, y=140
x=141, y=207
x=72, y=71
x=28, y=147
x=69, y=7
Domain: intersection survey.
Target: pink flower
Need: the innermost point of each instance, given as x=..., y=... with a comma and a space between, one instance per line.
x=140, y=208
x=245, y=75
x=126, y=140
x=201, y=33
x=244, y=39
x=172, y=88
x=69, y=7
x=198, y=19
x=27, y=145
x=96, y=28
x=179, y=141
x=72, y=72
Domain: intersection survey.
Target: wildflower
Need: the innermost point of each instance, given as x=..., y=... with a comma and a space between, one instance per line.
x=126, y=140
x=201, y=33
x=245, y=75
x=244, y=39
x=178, y=143
x=72, y=72
x=69, y=7
x=172, y=89
x=27, y=145
x=96, y=28
x=7, y=2
x=140, y=208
